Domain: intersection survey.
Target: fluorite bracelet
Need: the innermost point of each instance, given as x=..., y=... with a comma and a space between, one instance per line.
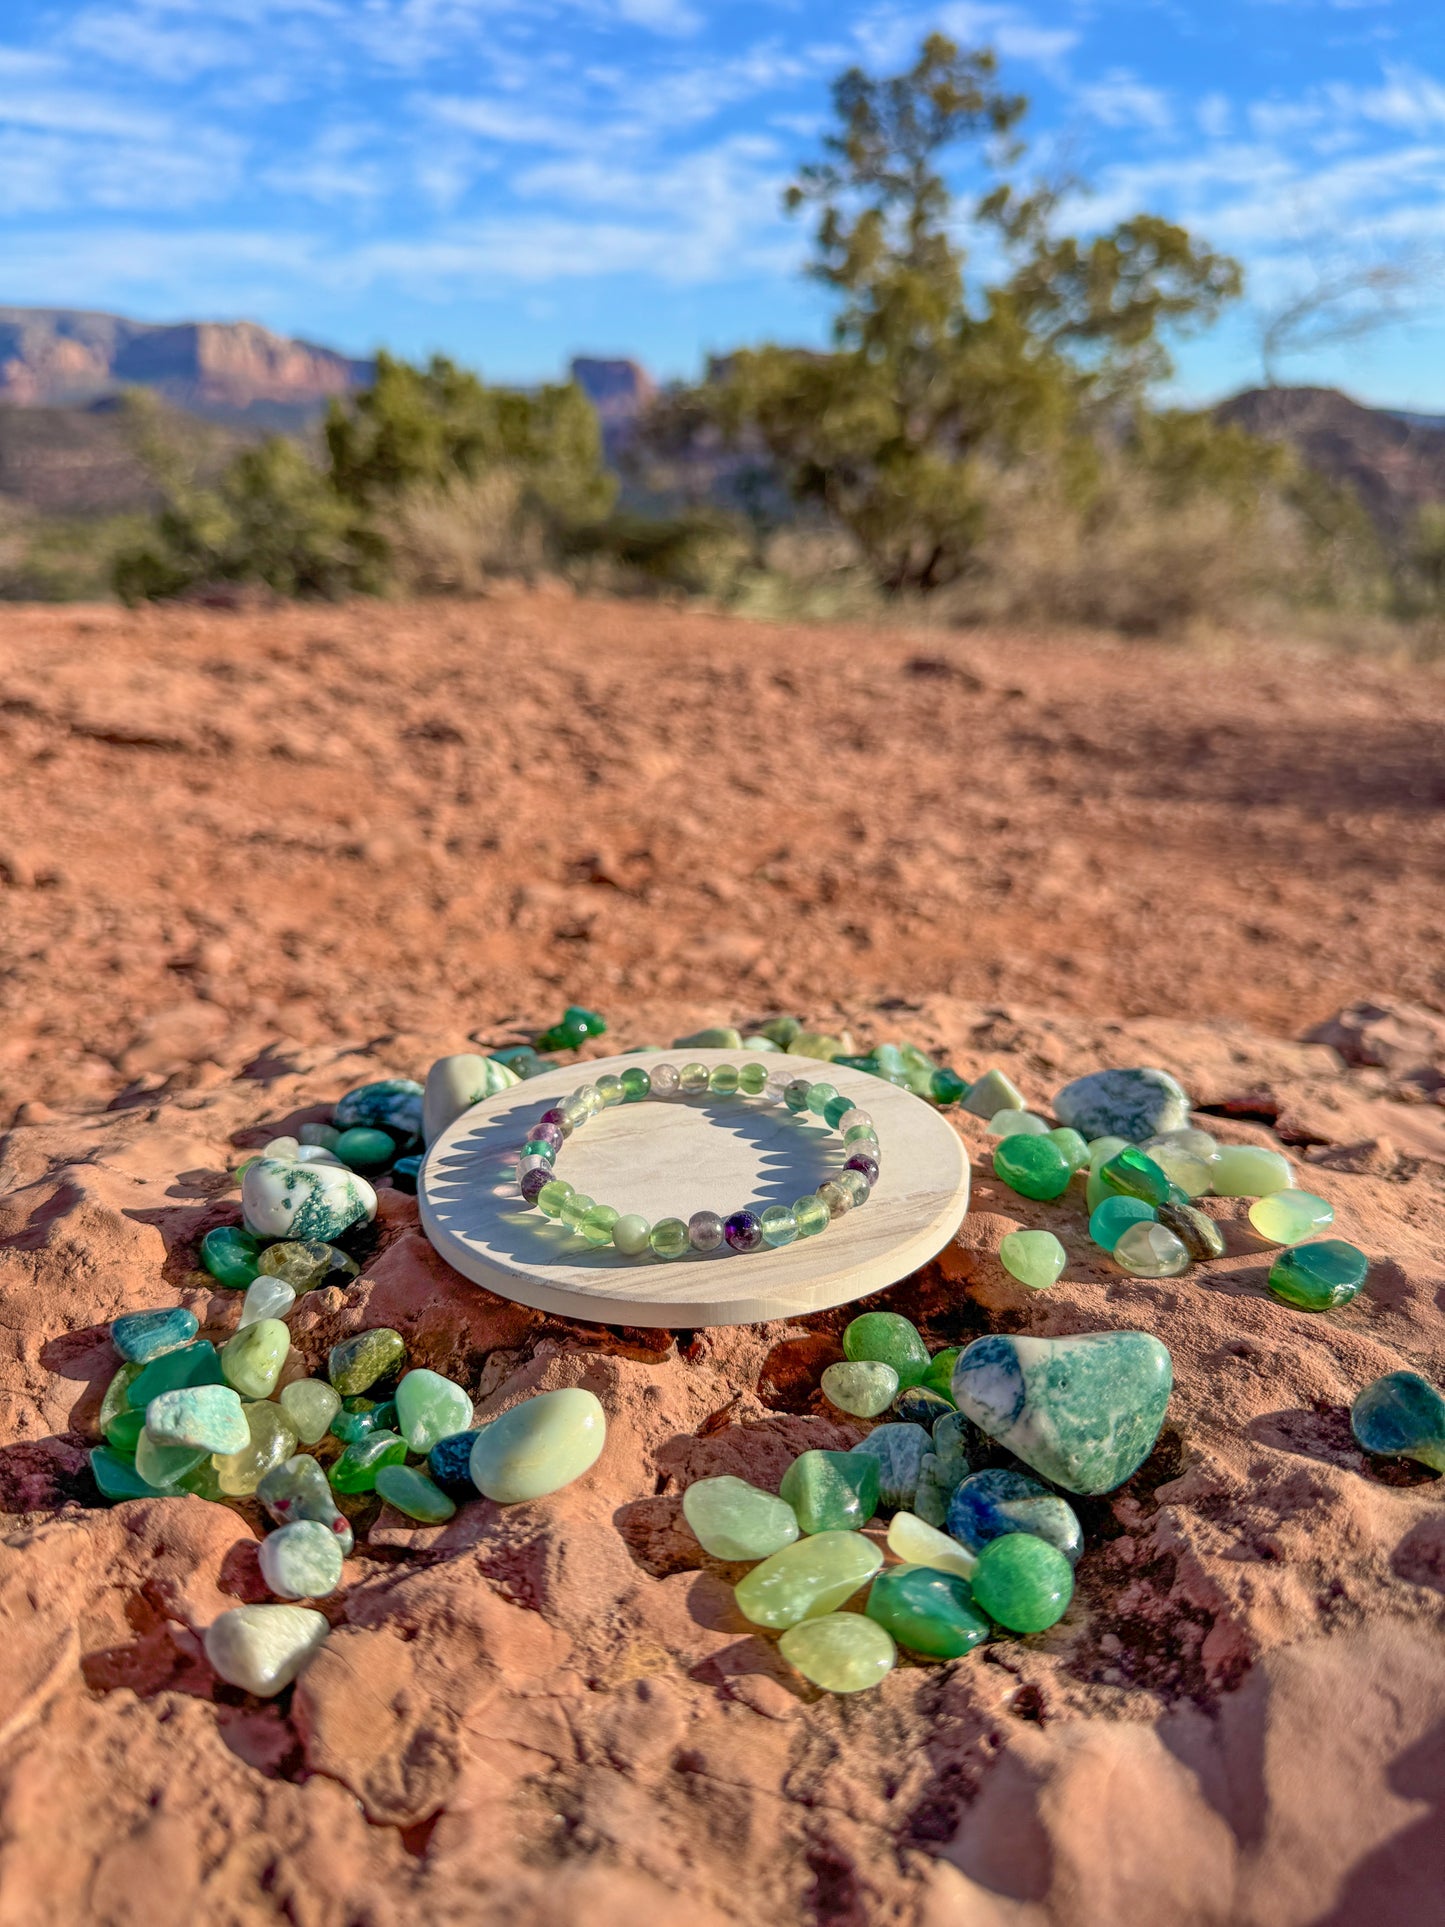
x=705, y=1231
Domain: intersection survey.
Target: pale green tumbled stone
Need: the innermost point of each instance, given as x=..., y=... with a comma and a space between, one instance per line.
x=301, y=1561
x=864, y=1387
x=1073, y=1146
x=917, y=1543
x=1012, y=1123
x=266, y=1297
x=539, y=1446
x=842, y=1652
x=719, y=1037
x=1250, y=1171
x=252, y=1360
x=632, y=1235
x=734, y=1520
x=991, y=1093
x=1288, y=1217
x=209, y=1416
x=1101, y=1149
x=1035, y=1258
x=1193, y=1174
x=808, y=1579
x=310, y=1405
x=117, y=1395
x=430, y=1407
x=270, y=1441
x=165, y=1465
x=409, y=1489
x=1150, y=1250
x=261, y=1649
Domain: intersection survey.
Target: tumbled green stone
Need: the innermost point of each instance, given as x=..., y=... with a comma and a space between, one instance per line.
x=917, y=1405
x=779, y=1225
x=928, y=1611
x=1132, y=1175
x=1023, y=1583
x=948, y=1087
x=272, y=1441
x=753, y=1078
x=1113, y=1216
x=360, y=1417
x=734, y=1520
x=864, y=1387
x=122, y=1431
x=842, y=1652
x=1195, y=1229
x=811, y=1215
x=632, y=1235
x=1149, y=1250
x=808, y=1579
x=552, y=1197
x=310, y=1404
x=198, y=1364
x=301, y=1561
x=430, y=1407
x=230, y=1255
x=410, y=1490
x=596, y=1226
x=992, y=1093
x=1073, y=1146
x=266, y=1298
x=1101, y=1149
x=997, y=1500
x=140, y=1336
x=364, y=1149
x=1035, y=1258
x=1319, y=1277
x=356, y=1469
x=1288, y=1217
x=891, y=1339
x=299, y=1489
x=117, y=1395
x=718, y=1037
x=389, y=1103
x=898, y=1449
x=939, y=1376
x=357, y=1363
x=539, y=1446
x=1017, y=1124
x=831, y=1491
x=957, y=1442
x=302, y=1263
x=1035, y=1167
x=118, y=1478
x=161, y=1464
x=669, y=1238
x=1194, y=1175
x=324, y=1135
x=1400, y=1416
x=1250, y=1171
x=208, y=1416
x=252, y=1360
x=918, y=1543
x=930, y=1495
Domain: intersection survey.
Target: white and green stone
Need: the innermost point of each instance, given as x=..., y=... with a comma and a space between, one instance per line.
x=266, y=1297
x=454, y=1084
x=862, y=1386
x=806, y=1580
x=285, y=1198
x=734, y=1520
x=389, y=1104
x=301, y=1561
x=210, y=1417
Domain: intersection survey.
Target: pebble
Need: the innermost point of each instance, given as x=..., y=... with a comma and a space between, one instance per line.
x=140, y=1336
x=266, y=1298
x=281, y=1198
x=1132, y=1104
x=992, y=1093
x=863, y=1387
x=1288, y=1217
x=1193, y=1174
x=731, y=1519
x=409, y=1489
x=1011, y=1123
x=1250, y=1171
x=429, y=1408
x=539, y=1446
x=1035, y=1258
x=454, y=1084
x=573, y=1030
x=831, y=1491
x=322, y=1135
x=1130, y=1174
x=360, y=1417
x=988, y=1504
x=841, y=1652
x=899, y=1451
x=358, y=1362
x=918, y=1543
x=301, y=1561
x=1195, y=1229
x=1401, y=1416
x=301, y=1263
x=1035, y=1167
x=1150, y=1250
x=1319, y=1277
x=310, y=1404
x=164, y=1465
x=117, y=1478
x=263, y=1648
x=198, y=1364
x=123, y=1431
x=719, y=1037
x=230, y=1255
x=1109, y=1220
x=808, y=1579
x=928, y=1611
x=298, y=1489
x=939, y=1376
x=356, y=1469
x=887, y=1338
x=958, y=1445
x=932, y=1493
x=209, y=1417
x=363, y=1149
x=271, y=1440
x=390, y=1104
x=252, y=1360
x=1023, y=1583
x=1083, y=1412
x=1073, y=1146
x=450, y=1464
x=920, y=1406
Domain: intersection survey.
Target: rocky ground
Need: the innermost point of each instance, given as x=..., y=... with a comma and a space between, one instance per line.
x=249, y=861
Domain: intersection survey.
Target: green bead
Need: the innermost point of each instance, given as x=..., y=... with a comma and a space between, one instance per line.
x=118, y=1478
x=928, y=1611
x=356, y=1469
x=949, y=1087
x=365, y=1149
x=835, y=1110
x=723, y=1079
x=1023, y=1582
x=610, y=1089
x=538, y=1446
x=1072, y=1145
x=1113, y=1216
x=1033, y=1166
x=808, y=1579
x=198, y=1364
x=230, y=1255
x=1150, y=1250
x=669, y=1238
x=357, y=1363
x=1288, y=1217
x=734, y=1520
x=811, y=1215
x=692, y=1079
x=1035, y=1258
x=412, y=1492
x=301, y=1560
x=428, y=1408
x=636, y=1084
x=163, y=1465
x=271, y=1442
x=780, y=1225
x=842, y=1652
x=891, y=1339
x=860, y=1134
x=360, y=1417
x=1400, y=1416
x=1250, y=1171
x=596, y=1227
x=863, y=1387
x=632, y=1235
x=575, y=1209
x=122, y=1431
x=1132, y=1175
x=753, y=1079
x=552, y=1197
x=538, y=1147
x=1319, y=1277
x=820, y=1096
x=302, y=1263
x=831, y=1491
x=939, y=1376
x=251, y=1361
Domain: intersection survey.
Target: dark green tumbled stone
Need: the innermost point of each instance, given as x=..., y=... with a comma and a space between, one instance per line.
x=364, y=1148
x=123, y=1432
x=1131, y=1174
x=117, y=1477
x=1034, y=1166
x=831, y=1491
x=1401, y=1416
x=928, y=1611
x=1319, y=1276
x=198, y=1364
x=356, y=1469
x=918, y=1406
x=230, y=1255
x=405, y=1174
x=948, y=1087
x=891, y=1339
x=360, y=1417
x=939, y=1376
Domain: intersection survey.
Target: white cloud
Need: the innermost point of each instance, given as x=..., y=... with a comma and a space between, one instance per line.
x=1121, y=99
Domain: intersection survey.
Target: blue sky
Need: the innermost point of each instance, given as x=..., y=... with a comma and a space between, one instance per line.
x=514, y=181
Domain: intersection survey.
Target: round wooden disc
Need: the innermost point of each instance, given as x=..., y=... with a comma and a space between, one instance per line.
x=669, y=1158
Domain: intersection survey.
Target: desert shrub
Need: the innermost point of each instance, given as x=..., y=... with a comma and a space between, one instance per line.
x=452, y=537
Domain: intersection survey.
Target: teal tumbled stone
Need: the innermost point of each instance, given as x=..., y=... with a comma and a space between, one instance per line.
x=429, y=1408
x=230, y=1255
x=301, y=1561
x=205, y=1416
x=360, y=1417
x=1319, y=1277
x=198, y=1364
x=1401, y=1416
x=1032, y=1165
x=734, y=1520
x=1023, y=1583
x=1083, y=1412
x=140, y=1336
x=364, y=1149
x=1111, y=1219
x=831, y=1491
x=117, y=1477
x=892, y=1340
x=410, y=1490
x=928, y=1611
x=899, y=1451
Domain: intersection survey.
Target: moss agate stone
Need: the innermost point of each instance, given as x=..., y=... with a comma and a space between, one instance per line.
x=1289, y=1217
x=917, y=1543
x=409, y=1489
x=230, y=1255
x=390, y=1104
x=1033, y=1166
x=1035, y=1258
x=734, y=1520
x=1401, y=1416
x=298, y=1489
x=539, y=1446
x=887, y=1338
x=841, y=1653
x=1083, y=1412
x=1319, y=1277
x=210, y=1418
x=251, y=1361
x=140, y=1336
x=262, y=1649
x=1200, y=1236
x=282, y=1198
x=1132, y=1104
x=1130, y=1174
x=454, y=1084
x=806, y=1580
x=358, y=1465
x=989, y=1504
x=450, y=1464
x=992, y=1093
x=1150, y=1251
x=271, y=1441
x=831, y=1491
x=358, y=1362
x=1250, y=1171
x=198, y=1364
x=311, y=1405
x=928, y=1611
x=899, y=1451
x=428, y=1408
x=863, y=1387
x=1023, y=1582
x=301, y=1561
x=117, y=1478
x=1111, y=1218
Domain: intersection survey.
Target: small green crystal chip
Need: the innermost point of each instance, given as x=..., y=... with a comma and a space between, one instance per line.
x=358, y=1465
x=928, y=1611
x=1320, y=1276
x=892, y=1340
x=1033, y=1166
x=1035, y=1258
x=831, y=1491
x=1023, y=1582
x=841, y=1652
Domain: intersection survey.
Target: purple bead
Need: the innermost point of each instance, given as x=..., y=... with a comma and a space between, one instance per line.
x=743, y=1231
x=555, y=1116
x=860, y=1161
x=547, y=1133
x=532, y=1183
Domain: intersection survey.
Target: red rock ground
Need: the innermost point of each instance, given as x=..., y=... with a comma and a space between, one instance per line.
x=247, y=862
